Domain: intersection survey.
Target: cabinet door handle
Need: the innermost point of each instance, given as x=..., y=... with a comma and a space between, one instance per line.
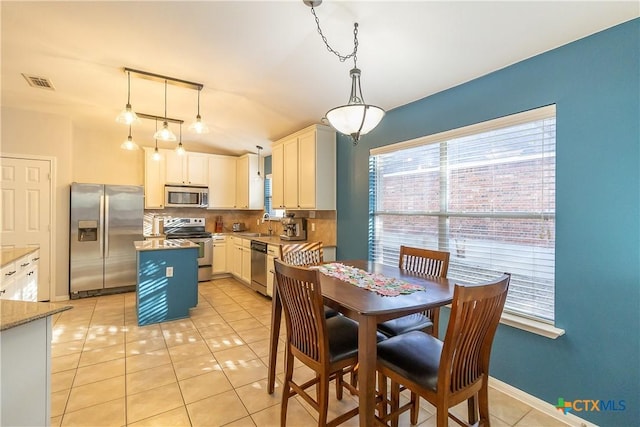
x=11, y=273
x=36, y=259
x=24, y=265
x=3, y=291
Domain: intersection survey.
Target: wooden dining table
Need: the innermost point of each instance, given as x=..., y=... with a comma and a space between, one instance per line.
x=368, y=308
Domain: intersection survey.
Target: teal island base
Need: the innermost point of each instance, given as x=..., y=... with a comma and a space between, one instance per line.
x=167, y=285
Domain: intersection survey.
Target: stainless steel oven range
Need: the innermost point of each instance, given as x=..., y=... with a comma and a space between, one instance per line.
x=193, y=229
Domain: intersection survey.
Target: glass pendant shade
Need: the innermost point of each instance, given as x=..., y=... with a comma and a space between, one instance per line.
x=198, y=126
x=180, y=149
x=156, y=155
x=164, y=134
x=129, y=143
x=355, y=118
x=127, y=116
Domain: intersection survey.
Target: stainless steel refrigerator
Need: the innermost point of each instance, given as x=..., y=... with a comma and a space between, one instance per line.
x=105, y=221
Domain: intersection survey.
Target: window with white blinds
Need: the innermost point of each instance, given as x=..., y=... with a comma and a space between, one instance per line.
x=485, y=193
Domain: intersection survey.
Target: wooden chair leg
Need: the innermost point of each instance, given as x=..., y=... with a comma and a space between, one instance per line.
x=339, y=386
x=483, y=404
x=442, y=415
x=286, y=392
x=354, y=378
x=472, y=409
x=395, y=402
x=323, y=400
x=415, y=408
x=382, y=391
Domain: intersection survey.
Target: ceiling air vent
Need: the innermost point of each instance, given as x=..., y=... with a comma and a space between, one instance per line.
x=39, y=82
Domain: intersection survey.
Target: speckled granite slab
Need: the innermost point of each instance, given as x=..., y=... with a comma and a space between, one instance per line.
x=9, y=255
x=155, y=245
x=16, y=313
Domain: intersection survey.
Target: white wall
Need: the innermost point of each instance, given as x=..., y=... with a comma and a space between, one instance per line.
x=81, y=155
x=98, y=158
x=29, y=133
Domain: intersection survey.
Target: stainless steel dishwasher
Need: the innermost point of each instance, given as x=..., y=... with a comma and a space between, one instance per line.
x=259, y=266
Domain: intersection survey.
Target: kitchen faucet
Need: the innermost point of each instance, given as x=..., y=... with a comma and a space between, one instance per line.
x=265, y=217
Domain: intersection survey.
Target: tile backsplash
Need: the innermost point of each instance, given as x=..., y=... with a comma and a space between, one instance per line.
x=324, y=221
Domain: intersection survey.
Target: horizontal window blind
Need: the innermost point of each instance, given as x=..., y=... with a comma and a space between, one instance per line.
x=485, y=193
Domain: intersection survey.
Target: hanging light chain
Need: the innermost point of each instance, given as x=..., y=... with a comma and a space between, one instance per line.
x=342, y=58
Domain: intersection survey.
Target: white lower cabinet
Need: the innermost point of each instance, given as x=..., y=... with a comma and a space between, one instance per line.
x=19, y=279
x=219, y=256
x=236, y=268
x=246, y=261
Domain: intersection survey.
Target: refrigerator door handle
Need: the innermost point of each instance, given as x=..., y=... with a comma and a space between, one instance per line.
x=106, y=226
x=101, y=227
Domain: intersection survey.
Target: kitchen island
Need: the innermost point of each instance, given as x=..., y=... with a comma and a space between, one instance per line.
x=167, y=284
x=25, y=361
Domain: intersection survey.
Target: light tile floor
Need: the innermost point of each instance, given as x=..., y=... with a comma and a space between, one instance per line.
x=208, y=370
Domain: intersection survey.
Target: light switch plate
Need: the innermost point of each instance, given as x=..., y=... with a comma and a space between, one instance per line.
x=169, y=271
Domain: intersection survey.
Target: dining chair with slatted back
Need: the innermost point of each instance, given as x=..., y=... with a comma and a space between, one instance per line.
x=305, y=254
x=327, y=346
x=422, y=261
x=308, y=253
x=447, y=372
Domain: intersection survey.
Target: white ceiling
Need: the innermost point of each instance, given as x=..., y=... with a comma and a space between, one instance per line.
x=265, y=70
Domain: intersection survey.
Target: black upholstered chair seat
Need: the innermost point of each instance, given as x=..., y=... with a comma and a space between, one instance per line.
x=402, y=325
x=343, y=338
x=329, y=312
x=414, y=355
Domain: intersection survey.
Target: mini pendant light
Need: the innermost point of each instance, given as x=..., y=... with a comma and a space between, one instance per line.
x=165, y=133
x=128, y=116
x=198, y=126
x=156, y=154
x=180, y=149
x=258, y=175
x=129, y=143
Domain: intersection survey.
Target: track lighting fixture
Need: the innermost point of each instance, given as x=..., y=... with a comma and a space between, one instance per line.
x=128, y=116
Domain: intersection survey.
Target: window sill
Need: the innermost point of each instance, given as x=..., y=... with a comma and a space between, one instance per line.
x=530, y=325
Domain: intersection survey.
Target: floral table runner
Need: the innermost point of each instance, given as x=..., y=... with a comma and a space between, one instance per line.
x=386, y=286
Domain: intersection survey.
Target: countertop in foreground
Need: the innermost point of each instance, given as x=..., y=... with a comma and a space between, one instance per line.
x=156, y=244
x=16, y=313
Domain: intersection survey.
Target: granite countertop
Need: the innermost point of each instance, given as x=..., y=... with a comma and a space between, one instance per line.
x=9, y=255
x=16, y=313
x=156, y=245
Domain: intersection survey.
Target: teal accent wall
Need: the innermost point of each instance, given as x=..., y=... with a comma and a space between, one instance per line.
x=595, y=84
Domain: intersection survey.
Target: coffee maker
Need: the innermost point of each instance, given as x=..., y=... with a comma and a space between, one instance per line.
x=294, y=228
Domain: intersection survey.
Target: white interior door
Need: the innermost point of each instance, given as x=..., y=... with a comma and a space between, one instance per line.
x=25, y=212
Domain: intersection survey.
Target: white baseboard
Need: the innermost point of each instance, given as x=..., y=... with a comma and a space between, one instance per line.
x=539, y=404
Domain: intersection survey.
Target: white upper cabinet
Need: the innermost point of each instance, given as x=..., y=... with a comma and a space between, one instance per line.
x=249, y=186
x=222, y=182
x=304, y=170
x=187, y=169
x=154, y=179
x=277, y=176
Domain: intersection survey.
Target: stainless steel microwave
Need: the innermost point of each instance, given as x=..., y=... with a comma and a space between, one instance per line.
x=187, y=196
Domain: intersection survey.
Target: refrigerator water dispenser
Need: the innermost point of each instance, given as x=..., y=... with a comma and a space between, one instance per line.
x=87, y=231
